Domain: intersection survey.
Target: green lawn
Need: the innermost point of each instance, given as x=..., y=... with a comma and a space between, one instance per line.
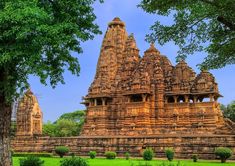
x=131, y=162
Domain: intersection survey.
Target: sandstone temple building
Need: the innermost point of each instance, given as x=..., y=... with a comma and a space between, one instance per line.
x=29, y=116
x=137, y=102
x=131, y=95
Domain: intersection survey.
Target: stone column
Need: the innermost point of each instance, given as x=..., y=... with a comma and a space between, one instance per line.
x=175, y=98
x=103, y=101
x=95, y=104
x=186, y=98
x=128, y=99
x=211, y=98
x=166, y=100
x=194, y=99
x=144, y=97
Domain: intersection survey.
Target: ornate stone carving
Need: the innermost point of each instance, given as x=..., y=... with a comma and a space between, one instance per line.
x=148, y=95
x=29, y=116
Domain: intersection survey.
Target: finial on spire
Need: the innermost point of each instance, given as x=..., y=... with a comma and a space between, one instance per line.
x=152, y=48
x=116, y=21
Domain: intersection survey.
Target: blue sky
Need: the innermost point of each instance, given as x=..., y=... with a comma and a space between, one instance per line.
x=67, y=98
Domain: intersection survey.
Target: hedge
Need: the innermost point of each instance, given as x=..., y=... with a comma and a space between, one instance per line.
x=23, y=154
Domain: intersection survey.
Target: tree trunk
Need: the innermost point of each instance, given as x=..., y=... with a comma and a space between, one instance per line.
x=5, y=123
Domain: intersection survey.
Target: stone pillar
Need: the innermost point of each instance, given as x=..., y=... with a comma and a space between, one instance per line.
x=186, y=98
x=144, y=97
x=166, y=100
x=211, y=98
x=194, y=99
x=128, y=99
x=95, y=104
x=103, y=101
x=175, y=98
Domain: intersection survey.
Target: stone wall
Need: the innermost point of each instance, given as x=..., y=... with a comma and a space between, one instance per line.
x=184, y=145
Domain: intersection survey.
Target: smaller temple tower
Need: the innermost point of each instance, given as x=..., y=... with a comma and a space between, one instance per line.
x=29, y=116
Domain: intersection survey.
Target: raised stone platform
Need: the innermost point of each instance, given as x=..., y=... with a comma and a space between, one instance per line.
x=184, y=145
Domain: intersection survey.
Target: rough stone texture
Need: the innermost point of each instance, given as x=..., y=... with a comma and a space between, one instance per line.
x=29, y=116
x=135, y=102
x=135, y=96
x=184, y=146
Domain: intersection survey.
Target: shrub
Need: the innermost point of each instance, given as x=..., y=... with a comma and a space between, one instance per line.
x=72, y=154
x=92, y=154
x=223, y=153
x=75, y=161
x=31, y=161
x=195, y=157
x=18, y=154
x=110, y=155
x=127, y=155
x=148, y=154
x=61, y=150
x=169, y=154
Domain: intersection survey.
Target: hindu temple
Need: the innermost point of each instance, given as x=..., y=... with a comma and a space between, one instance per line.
x=137, y=102
x=29, y=116
x=134, y=95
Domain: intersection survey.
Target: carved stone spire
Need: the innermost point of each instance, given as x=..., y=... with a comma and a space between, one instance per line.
x=110, y=59
x=152, y=50
x=29, y=116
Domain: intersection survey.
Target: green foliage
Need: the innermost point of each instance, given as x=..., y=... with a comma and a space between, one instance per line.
x=19, y=154
x=127, y=155
x=110, y=155
x=72, y=154
x=68, y=124
x=229, y=110
x=76, y=116
x=61, y=150
x=223, y=153
x=31, y=161
x=49, y=129
x=148, y=154
x=13, y=128
x=169, y=154
x=196, y=26
x=170, y=164
x=37, y=37
x=75, y=161
x=195, y=157
x=92, y=154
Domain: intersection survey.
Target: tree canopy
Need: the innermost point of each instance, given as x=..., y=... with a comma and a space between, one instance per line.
x=68, y=124
x=199, y=25
x=229, y=110
x=37, y=37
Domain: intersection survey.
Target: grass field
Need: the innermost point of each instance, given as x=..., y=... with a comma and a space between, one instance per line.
x=132, y=162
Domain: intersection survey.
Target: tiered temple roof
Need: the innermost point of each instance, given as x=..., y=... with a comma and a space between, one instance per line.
x=131, y=95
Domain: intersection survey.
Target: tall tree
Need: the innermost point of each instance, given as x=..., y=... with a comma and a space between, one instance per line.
x=199, y=25
x=229, y=111
x=37, y=37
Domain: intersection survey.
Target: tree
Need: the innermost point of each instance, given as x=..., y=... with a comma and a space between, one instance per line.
x=199, y=25
x=68, y=124
x=229, y=111
x=76, y=116
x=224, y=153
x=37, y=37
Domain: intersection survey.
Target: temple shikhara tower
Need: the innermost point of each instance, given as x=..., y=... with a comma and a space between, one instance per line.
x=29, y=116
x=134, y=95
